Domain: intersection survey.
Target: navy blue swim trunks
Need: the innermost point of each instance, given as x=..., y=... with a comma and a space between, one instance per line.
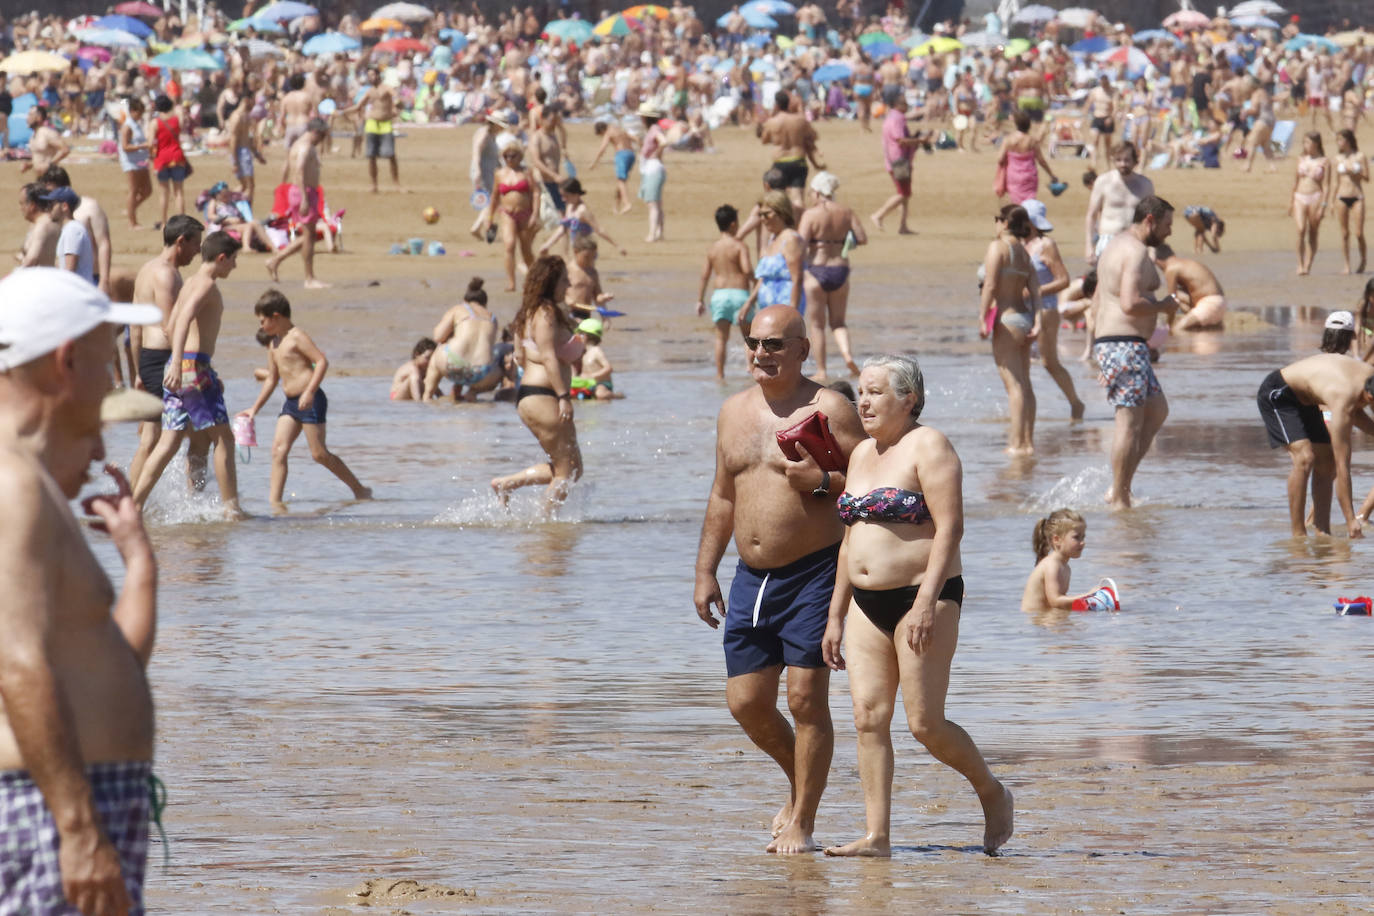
x=778, y=616
x=315, y=415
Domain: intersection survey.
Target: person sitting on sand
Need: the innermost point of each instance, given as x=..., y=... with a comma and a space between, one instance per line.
x=1206, y=301
x=1058, y=538
x=408, y=382
x=1207, y=227
x=593, y=378
x=466, y=351
x=221, y=213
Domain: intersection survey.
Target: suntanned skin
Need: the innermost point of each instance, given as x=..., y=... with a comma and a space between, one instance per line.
x=584, y=282
x=297, y=108
x=766, y=502
x=1193, y=278
x=1048, y=585
x=73, y=655
x=193, y=327
x=40, y=245
x=300, y=365
x=616, y=139
x=1126, y=306
x=1337, y=383
x=794, y=137
x=302, y=170
x=240, y=130
x=46, y=145
x=159, y=283
x=1111, y=206
x=380, y=105
x=728, y=260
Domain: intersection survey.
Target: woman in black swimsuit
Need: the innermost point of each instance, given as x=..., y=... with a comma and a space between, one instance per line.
x=899, y=561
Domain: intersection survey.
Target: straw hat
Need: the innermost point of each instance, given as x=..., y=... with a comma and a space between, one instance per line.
x=650, y=110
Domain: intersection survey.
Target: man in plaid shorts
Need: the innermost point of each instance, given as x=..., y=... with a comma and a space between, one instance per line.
x=1126, y=315
x=76, y=715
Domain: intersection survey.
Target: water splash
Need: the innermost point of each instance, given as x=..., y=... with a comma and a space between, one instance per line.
x=1083, y=490
x=172, y=502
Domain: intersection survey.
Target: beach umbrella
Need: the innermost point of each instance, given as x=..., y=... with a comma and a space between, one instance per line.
x=758, y=41
x=1077, y=17
x=453, y=38
x=577, y=30
x=724, y=66
x=257, y=24
x=285, y=11
x=829, y=73
x=876, y=37
x=1034, y=14
x=1135, y=59
x=915, y=38
x=1257, y=8
x=406, y=12
x=882, y=49
x=382, y=25
x=1016, y=47
x=1254, y=22
x=404, y=46
x=331, y=43
x=763, y=66
x=186, y=59
x=124, y=24
x=773, y=7
x=1351, y=38
x=108, y=38
x=259, y=47
x=138, y=8
x=983, y=39
x=758, y=19
x=1150, y=35
x=33, y=62
x=1187, y=19
x=1298, y=42
x=940, y=44
x=1095, y=45
x=645, y=11
x=98, y=54
x=619, y=24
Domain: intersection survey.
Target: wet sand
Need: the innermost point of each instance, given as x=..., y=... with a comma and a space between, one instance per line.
x=519, y=716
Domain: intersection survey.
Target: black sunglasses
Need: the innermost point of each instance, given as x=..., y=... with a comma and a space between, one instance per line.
x=769, y=344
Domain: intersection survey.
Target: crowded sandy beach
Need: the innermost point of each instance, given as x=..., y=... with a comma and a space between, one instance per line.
x=702, y=383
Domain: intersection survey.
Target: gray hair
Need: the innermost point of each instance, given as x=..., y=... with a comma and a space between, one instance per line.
x=904, y=375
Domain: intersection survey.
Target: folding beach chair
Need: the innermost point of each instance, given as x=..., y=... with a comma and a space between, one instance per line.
x=1282, y=137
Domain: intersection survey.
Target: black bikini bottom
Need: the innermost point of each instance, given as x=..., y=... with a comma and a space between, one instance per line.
x=886, y=607
x=529, y=391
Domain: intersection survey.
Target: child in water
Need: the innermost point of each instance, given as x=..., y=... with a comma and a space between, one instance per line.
x=593, y=378
x=408, y=382
x=1059, y=538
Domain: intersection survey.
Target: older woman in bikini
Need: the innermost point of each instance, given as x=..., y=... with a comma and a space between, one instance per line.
x=513, y=208
x=824, y=228
x=899, y=564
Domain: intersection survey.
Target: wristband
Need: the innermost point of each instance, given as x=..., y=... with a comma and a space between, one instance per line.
x=824, y=488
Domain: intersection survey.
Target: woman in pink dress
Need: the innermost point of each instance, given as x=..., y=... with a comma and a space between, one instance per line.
x=1018, y=169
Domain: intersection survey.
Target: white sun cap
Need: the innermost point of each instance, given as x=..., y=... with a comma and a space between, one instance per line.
x=42, y=308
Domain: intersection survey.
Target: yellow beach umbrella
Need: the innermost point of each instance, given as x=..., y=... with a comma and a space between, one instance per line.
x=645, y=10
x=33, y=62
x=940, y=44
x=1353, y=37
x=382, y=25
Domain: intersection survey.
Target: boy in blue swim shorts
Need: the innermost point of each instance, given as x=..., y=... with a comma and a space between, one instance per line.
x=300, y=365
x=728, y=260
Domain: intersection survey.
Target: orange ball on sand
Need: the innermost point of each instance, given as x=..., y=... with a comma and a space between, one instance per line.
x=430, y=215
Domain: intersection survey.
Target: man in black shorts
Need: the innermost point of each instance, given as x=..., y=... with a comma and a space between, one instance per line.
x=1290, y=401
x=795, y=139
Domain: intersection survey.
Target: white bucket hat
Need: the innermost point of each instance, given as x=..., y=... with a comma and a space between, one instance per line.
x=1036, y=211
x=42, y=308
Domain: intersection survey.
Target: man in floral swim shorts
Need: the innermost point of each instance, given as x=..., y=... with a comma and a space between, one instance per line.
x=1127, y=311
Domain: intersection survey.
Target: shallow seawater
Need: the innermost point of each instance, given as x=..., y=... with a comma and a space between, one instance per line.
x=428, y=685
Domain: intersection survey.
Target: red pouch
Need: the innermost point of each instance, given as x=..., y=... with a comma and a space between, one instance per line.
x=813, y=433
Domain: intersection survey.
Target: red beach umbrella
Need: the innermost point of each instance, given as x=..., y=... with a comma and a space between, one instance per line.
x=403, y=46
x=138, y=8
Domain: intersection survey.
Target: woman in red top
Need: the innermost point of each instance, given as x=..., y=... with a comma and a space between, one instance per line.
x=169, y=159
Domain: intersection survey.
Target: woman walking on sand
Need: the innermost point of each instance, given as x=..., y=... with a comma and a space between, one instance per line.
x=512, y=207
x=1307, y=206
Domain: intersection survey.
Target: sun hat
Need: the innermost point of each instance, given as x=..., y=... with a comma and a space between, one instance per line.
x=129, y=405
x=649, y=110
x=1342, y=320
x=61, y=196
x=42, y=308
x=825, y=183
x=1036, y=211
x=592, y=326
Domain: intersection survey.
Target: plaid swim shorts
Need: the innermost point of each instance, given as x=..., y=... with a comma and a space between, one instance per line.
x=1125, y=363
x=30, y=880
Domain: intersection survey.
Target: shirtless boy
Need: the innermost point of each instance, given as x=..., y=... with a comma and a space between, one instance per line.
x=300, y=365
x=1111, y=206
x=193, y=395
x=303, y=172
x=1290, y=401
x=159, y=282
x=408, y=382
x=1206, y=300
x=728, y=260
x=613, y=136
x=795, y=139
x=1126, y=311
x=584, y=281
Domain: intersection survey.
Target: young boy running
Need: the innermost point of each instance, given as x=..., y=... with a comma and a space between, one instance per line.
x=728, y=259
x=294, y=358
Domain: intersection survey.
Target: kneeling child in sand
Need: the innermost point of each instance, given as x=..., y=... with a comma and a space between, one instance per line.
x=409, y=381
x=1206, y=301
x=294, y=358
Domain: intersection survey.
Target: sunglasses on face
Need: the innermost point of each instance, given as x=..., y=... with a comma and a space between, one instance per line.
x=769, y=344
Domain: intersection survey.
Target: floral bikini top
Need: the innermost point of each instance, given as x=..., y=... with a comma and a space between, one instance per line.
x=884, y=504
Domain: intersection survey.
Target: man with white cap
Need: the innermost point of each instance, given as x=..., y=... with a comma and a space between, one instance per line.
x=76, y=730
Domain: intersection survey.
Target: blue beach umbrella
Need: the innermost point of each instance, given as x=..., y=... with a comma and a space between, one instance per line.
x=257, y=24
x=757, y=41
x=880, y=49
x=1298, y=42
x=124, y=24
x=1095, y=45
x=832, y=72
x=768, y=7
x=1150, y=35
x=109, y=38
x=330, y=43
x=724, y=66
x=757, y=19
x=453, y=38
x=763, y=66
x=1255, y=22
x=186, y=59
x=285, y=11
